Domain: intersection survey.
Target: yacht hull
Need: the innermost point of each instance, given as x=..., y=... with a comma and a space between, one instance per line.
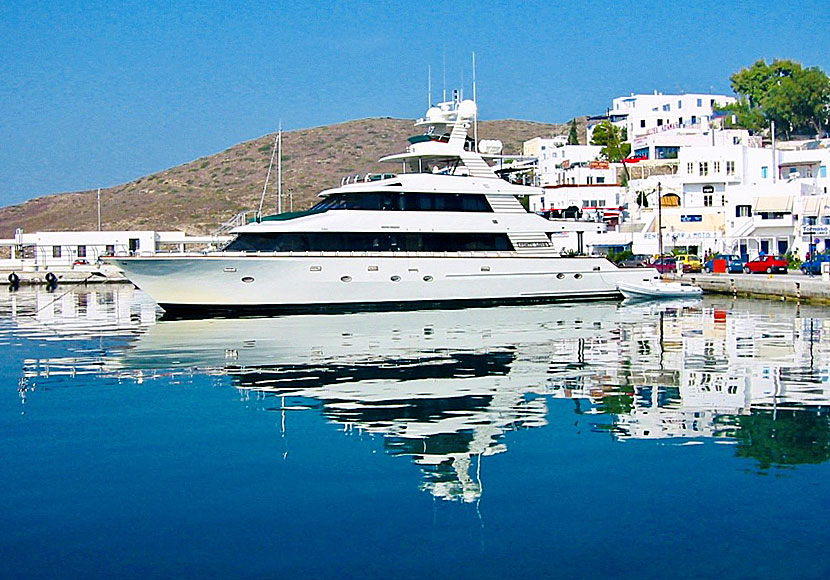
x=255, y=284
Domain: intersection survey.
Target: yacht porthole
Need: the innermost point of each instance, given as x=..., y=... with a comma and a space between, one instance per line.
x=485, y=268
x=247, y=279
x=372, y=268
x=577, y=276
x=427, y=278
x=345, y=278
x=395, y=278
x=315, y=268
x=560, y=275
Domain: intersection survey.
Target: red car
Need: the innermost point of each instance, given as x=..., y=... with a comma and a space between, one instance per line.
x=768, y=264
x=666, y=264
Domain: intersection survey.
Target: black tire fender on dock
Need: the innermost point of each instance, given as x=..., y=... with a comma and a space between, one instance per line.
x=51, y=279
x=14, y=279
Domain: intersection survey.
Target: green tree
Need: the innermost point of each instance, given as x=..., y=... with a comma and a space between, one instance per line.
x=796, y=98
x=614, y=148
x=573, y=135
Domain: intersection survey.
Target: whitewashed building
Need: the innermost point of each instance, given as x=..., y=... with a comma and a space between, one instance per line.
x=645, y=114
x=41, y=250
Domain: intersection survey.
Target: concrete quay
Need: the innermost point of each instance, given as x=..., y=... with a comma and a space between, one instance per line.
x=68, y=275
x=791, y=286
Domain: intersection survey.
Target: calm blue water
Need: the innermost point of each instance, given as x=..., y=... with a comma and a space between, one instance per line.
x=584, y=441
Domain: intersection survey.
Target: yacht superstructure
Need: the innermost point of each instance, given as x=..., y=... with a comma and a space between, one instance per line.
x=446, y=231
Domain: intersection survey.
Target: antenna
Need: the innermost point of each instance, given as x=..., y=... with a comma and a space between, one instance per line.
x=429, y=86
x=475, y=118
x=444, y=63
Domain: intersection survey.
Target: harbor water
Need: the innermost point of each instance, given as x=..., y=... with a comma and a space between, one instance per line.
x=600, y=440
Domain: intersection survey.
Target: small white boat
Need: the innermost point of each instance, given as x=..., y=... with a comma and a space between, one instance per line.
x=657, y=288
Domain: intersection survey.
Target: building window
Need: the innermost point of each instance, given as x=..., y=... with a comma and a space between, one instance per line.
x=703, y=168
x=694, y=119
x=700, y=102
x=659, y=122
x=56, y=251
x=82, y=251
x=822, y=171
x=600, y=180
x=716, y=167
x=730, y=168
x=667, y=107
x=723, y=200
x=679, y=104
x=590, y=180
x=743, y=210
x=707, y=200
x=764, y=172
x=663, y=152
x=642, y=123
x=110, y=250
x=690, y=168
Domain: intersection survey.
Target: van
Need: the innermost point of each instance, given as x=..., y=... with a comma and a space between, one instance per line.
x=691, y=263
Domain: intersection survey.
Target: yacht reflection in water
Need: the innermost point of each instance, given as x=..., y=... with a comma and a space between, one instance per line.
x=441, y=387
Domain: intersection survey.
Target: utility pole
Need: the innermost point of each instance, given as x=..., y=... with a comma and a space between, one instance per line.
x=659, y=218
x=98, y=197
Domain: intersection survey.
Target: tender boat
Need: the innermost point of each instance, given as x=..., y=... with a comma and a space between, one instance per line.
x=448, y=231
x=656, y=287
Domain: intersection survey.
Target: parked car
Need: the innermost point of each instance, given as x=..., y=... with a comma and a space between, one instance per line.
x=636, y=261
x=734, y=264
x=767, y=263
x=691, y=263
x=665, y=264
x=813, y=265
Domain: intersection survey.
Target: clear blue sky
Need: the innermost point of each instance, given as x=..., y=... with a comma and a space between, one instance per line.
x=99, y=93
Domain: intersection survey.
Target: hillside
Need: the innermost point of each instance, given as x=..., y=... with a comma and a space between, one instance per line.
x=198, y=196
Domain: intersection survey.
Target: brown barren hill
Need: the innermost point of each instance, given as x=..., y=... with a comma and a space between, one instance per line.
x=200, y=195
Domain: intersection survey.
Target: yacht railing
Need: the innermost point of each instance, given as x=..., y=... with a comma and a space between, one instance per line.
x=240, y=219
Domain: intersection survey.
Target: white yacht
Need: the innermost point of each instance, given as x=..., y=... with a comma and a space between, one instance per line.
x=446, y=231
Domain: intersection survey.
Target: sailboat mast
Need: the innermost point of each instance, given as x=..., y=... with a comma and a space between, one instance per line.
x=267, y=178
x=279, y=169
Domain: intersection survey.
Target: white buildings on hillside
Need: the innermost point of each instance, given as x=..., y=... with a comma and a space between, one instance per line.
x=722, y=190
x=646, y=114
x=574, y=178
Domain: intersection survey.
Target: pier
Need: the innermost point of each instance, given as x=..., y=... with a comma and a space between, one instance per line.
x=792, y=286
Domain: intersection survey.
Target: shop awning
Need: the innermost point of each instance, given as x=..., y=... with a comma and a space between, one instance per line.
x=773, y=204
x=813, y=205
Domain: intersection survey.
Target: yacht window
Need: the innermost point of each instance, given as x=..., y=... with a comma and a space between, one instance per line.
x=370, y=242
x=393, y=201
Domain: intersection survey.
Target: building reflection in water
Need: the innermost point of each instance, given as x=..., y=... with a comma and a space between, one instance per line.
x=444, y=387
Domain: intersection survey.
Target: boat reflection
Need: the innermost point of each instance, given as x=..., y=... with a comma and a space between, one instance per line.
x=441, y=387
